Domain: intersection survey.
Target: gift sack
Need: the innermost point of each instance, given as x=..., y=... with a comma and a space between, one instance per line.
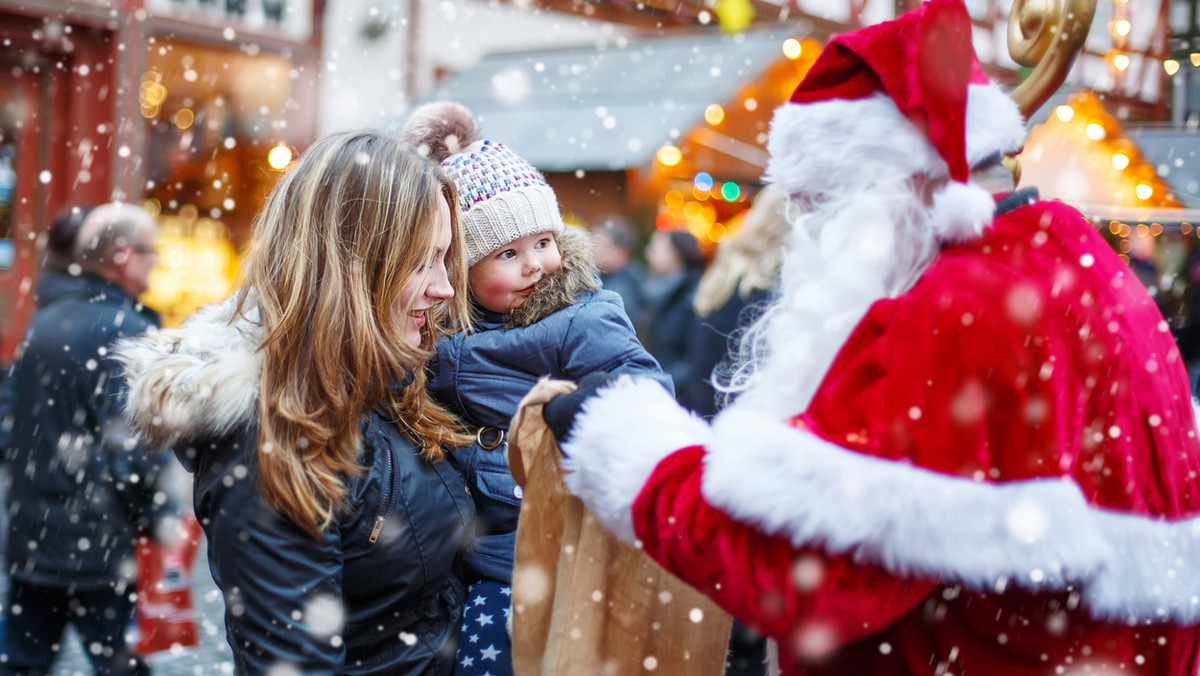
x=166, y=615
x=583, y=601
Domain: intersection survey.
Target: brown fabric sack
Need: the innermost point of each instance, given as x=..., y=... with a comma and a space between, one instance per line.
x=585, y=603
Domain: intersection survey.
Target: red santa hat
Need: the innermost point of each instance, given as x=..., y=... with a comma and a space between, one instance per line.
x=908, y=92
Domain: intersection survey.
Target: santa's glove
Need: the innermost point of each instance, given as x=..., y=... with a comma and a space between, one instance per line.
x=561, y=411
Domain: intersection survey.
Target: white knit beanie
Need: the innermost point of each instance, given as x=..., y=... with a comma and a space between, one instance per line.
x=501, y=197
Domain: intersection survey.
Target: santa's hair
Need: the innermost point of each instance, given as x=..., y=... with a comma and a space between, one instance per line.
x=848, y=248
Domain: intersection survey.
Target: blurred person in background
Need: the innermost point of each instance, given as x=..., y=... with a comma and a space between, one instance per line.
x=732, y=293
x=675, y=263
x=57, y=276
x=81, y=485
x=334, y=524
x=54, y=281
x=619, y=272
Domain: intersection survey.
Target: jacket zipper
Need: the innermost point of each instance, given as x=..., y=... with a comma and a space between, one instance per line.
x=389, y=486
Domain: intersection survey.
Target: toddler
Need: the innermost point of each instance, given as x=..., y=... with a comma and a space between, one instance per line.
x=539, y=311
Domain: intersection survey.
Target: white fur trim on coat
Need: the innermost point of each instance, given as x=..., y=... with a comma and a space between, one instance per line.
x=1036, y=534
x=617, y=440
x=197, y=380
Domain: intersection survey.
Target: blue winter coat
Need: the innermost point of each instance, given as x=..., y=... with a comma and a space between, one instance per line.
x=572, y=329
x=379, y=593
x=74, y=511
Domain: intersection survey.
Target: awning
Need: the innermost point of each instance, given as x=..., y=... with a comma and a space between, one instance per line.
x=1175, y=154
x=607, y=108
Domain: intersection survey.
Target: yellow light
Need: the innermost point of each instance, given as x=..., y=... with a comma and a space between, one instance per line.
x=674, y=199
x=1144, y=191
x=1121, y=62
x=1156, y=229
x=1095, y=131
x=184, y=118
x=1195, y=58
x=1120, y=160
x=714, y=114
x=1065, y=113
x=1171, y=66
x=279, y=157
x=1121, y=27
x=669, y=155
x=792, y=49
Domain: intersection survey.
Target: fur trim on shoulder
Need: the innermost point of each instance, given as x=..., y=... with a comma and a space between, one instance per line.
x=557, y=291
x=198, y=380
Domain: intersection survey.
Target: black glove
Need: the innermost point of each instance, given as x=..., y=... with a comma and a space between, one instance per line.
x=560, y=412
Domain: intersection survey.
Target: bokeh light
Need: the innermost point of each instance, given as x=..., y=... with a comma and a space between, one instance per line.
x=669, y=155
x=714, y=114
x=279, y=157
x=792, y=48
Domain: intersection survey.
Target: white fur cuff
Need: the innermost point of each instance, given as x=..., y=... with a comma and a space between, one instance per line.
x=618, y=439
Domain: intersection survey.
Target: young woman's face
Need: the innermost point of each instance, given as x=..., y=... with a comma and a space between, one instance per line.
x=502, y=280
x=428, y=284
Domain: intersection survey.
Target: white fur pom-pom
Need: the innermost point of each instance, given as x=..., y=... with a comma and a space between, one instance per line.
x=961, y=211
x=440, y=129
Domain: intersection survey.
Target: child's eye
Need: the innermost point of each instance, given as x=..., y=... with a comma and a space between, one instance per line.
x=543, y=243
x=507, y=253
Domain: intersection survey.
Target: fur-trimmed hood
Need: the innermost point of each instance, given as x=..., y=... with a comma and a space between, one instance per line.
x=195, y=381
x=562, y=288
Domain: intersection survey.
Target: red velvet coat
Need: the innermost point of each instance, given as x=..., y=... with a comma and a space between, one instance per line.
x=996, y=476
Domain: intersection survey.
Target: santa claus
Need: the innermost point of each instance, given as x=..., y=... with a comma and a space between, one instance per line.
x=963, y=440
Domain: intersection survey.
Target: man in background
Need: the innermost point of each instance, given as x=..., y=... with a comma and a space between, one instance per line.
x=81, y=486
x=615, y=242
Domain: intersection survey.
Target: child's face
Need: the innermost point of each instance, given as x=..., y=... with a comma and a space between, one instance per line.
x=502, y=280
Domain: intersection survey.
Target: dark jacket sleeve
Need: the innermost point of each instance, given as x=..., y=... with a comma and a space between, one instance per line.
x=283, y=589
x=601, y=338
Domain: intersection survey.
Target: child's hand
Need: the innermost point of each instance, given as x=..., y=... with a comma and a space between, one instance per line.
x=560, y=412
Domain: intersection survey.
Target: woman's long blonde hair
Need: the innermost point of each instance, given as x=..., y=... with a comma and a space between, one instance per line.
x=339, y=237
x=749, y=259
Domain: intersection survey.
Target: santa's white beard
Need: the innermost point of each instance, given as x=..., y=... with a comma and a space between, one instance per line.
x=847, y=250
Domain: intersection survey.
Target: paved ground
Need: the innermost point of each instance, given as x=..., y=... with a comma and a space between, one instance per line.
x=211, y=657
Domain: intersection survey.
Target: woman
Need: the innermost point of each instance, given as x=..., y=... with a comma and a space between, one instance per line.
x=300, y=406
x=675, y=263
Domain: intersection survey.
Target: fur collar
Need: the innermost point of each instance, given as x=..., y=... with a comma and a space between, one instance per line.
x=195, y=381
x=557, y=291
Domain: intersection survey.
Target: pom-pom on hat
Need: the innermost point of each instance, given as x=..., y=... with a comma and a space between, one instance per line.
x=501, y=197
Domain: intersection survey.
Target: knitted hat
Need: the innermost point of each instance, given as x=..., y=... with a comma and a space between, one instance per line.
x=501, y=197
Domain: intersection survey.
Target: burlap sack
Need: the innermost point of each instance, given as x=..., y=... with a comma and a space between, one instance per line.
x=584, y=603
